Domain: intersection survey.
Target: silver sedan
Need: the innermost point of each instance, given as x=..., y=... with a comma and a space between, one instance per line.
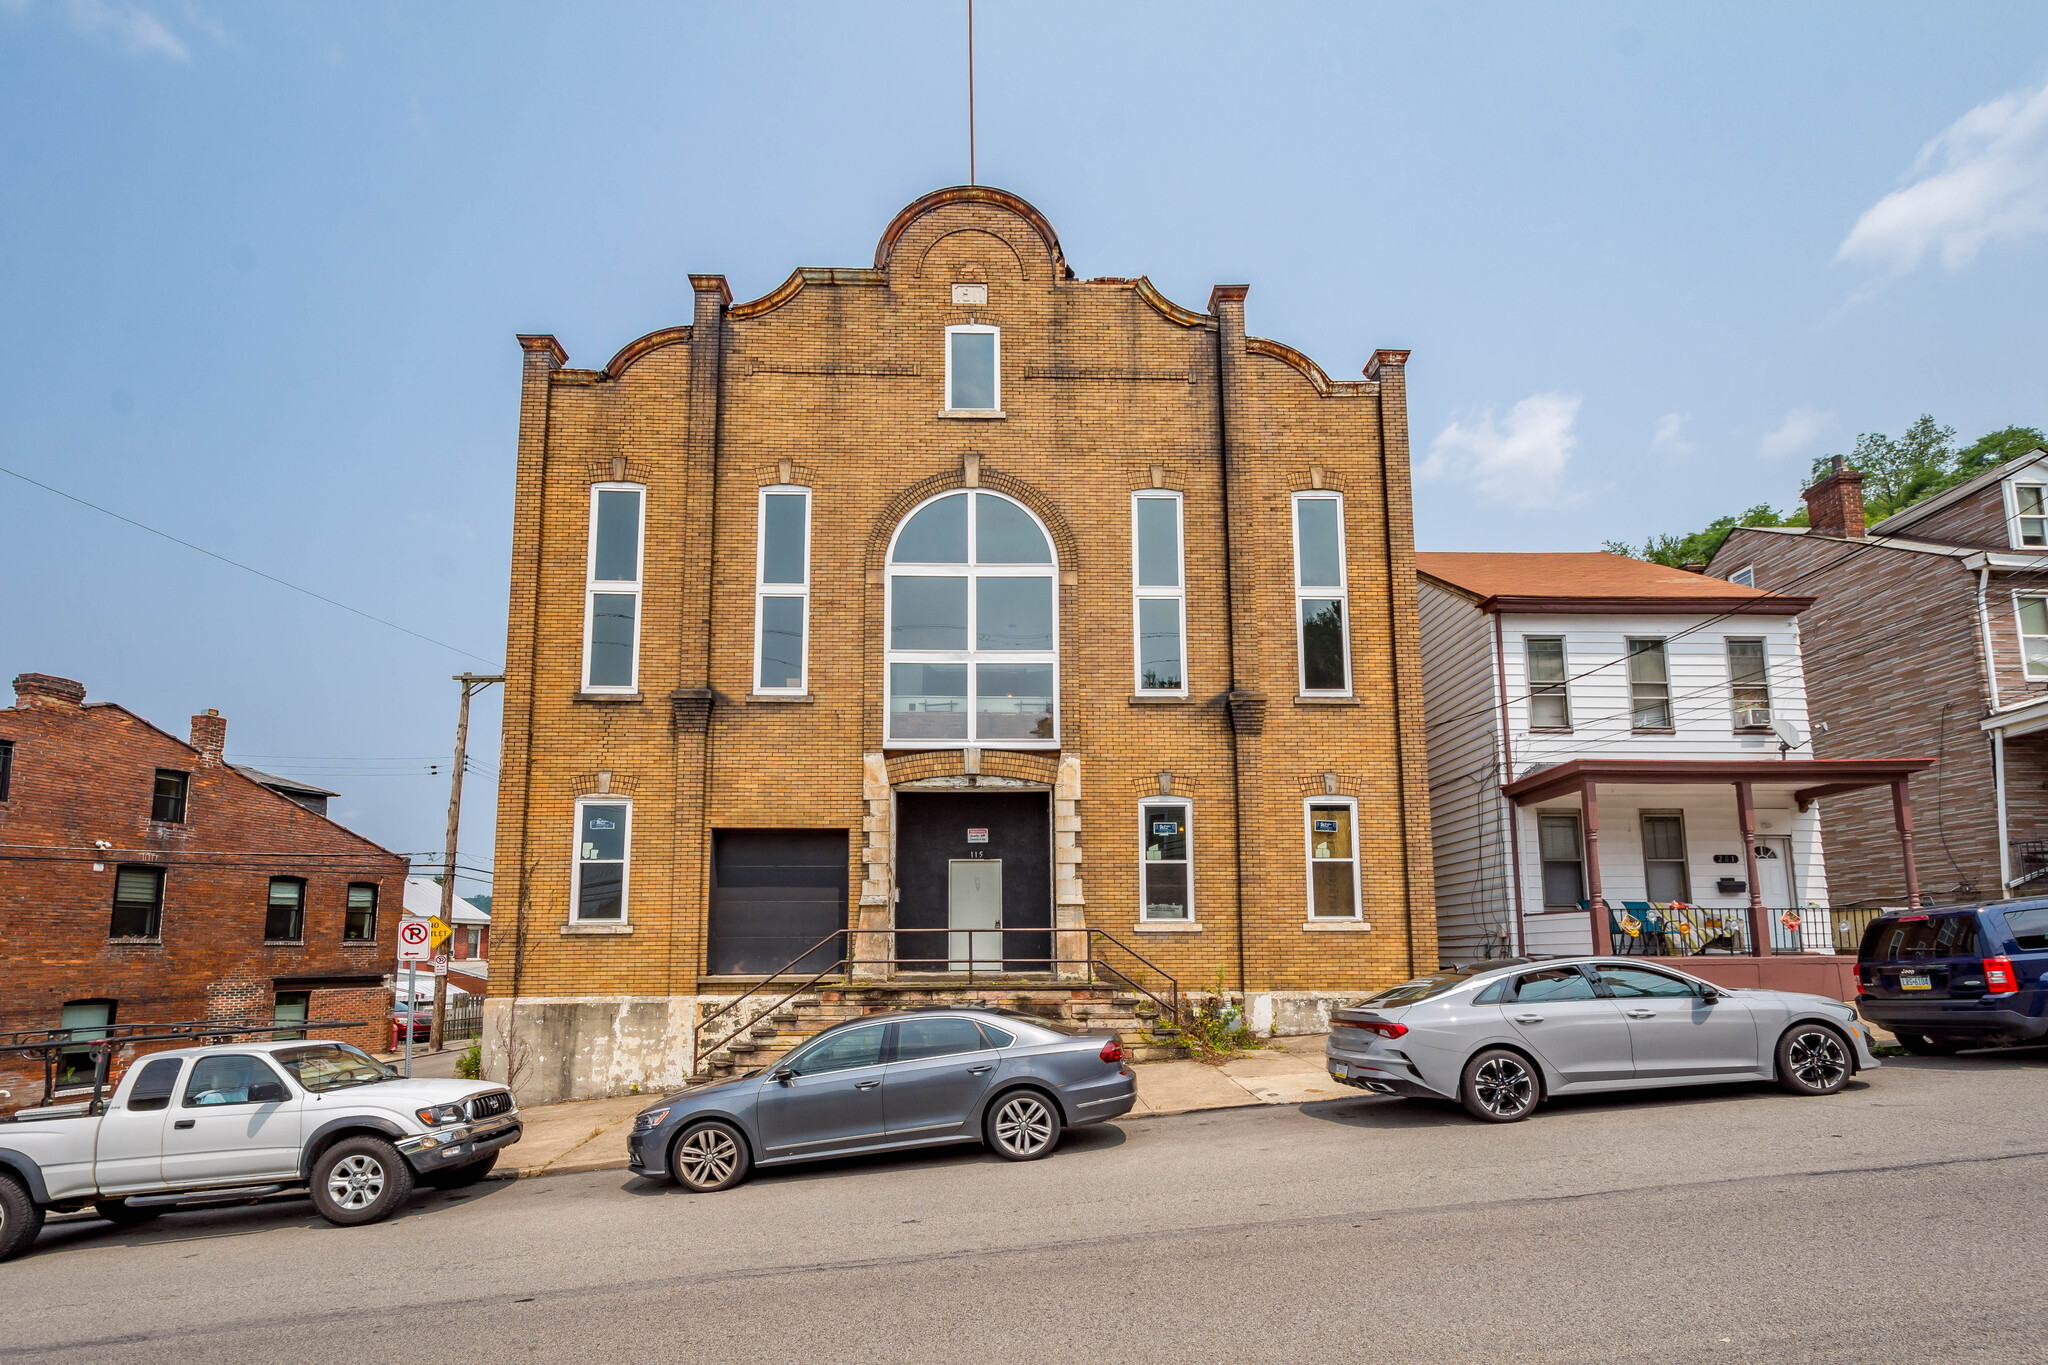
x=1499, y=1037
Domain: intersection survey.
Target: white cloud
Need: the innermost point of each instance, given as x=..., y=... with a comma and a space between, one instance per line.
x=1801, y=428
x=1670, y=437
x=1984, y=179
x=1521, y=460
x=136, y=30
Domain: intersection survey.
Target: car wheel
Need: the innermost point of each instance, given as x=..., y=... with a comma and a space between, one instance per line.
x=360, y=1180
x=1023, y=1125
x=1500, y=1086
x=1813, y=1059
x=20, y=1218
x=709, y=1157
x=127, y=1214
x=461, y=1177
x=1920, y=1045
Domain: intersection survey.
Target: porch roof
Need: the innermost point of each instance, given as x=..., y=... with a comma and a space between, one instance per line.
x=1811, y=778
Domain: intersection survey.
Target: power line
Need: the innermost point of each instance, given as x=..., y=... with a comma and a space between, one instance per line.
x=235, y=563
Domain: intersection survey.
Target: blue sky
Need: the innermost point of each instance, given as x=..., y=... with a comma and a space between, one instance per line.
x=261, y=267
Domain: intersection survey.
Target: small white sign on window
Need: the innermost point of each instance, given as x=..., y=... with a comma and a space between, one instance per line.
x=1165, y=827
x=971, y=295
x=1326, y=826
x=977, y=836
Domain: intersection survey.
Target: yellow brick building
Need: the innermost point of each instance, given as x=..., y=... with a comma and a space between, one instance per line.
x=1012, y=623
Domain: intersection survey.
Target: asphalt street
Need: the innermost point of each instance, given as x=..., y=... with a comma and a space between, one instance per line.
x=1893, y=1222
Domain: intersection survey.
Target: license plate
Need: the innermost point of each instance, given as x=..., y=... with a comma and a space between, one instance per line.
x=1915, y=981
x=1340, y=1070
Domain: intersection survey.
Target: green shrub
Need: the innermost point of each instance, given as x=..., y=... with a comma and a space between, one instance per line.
x=471, y=1063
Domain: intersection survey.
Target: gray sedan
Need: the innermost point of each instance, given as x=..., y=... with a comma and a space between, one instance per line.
x=1499, y=1037
x=914, y=1078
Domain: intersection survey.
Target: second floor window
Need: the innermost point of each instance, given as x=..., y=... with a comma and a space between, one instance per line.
x=2034, y=635
x=782, y=590
x=1550, y=702
x=284, y=919
x=1649, y=686
x=974, y=369
x=2030, y=526
x=359, y=922
x=1158, y=585
x=1321, y=598
x=1750, y=680
x=167, y=801
x=138, y=903
x=6, y=768
x=611, y=620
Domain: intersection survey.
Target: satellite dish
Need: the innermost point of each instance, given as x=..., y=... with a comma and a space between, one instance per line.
x=1787, y=733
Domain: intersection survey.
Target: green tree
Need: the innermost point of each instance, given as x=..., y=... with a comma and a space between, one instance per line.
x=1897, y=474
x=1699, y=547
x=1995, y=449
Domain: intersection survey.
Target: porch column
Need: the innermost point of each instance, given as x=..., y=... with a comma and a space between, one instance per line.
x=1902, y=814
x=1602, y=944
x=1759, y=921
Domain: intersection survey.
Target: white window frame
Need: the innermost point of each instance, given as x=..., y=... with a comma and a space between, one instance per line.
x=1663, y=644
x=593, y=586
x=764, y=589
x=1342, y=592
x=1308, y=858
x=2019, y=627
x=1744, y=577
x=2012, y=513
x=1563, y=685
x=576, y=861
x=1763, y=644
x=1140, y=593
x=1187, y=815
x=970, y=657
x=993, y=331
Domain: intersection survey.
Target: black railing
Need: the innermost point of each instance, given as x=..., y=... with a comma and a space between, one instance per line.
x=1636, y=929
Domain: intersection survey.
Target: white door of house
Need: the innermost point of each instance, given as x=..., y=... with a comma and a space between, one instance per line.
x=975, y=905
x=1774, y=874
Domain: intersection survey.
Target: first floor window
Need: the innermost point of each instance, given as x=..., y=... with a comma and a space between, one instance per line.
x=1665, y=878
x=1564, y=866
x=1168, y=882
x=86, y=1021
x=1332, y=860
x=138, y=903
x=292, y=1007
x=1649, y=686
x=603, y=838
x=2034, y=635
x=1550, y=702
x=284, y=921
x=360, y=923
x=473, y=941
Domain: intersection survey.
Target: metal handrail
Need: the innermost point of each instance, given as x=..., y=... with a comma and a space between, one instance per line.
x=697, y=1048
x=1173, y=1009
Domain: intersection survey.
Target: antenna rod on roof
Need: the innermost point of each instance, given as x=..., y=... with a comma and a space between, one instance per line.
x=970, y=92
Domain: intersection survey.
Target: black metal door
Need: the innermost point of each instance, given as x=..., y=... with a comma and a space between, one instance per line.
x=775, y=893
x=935, y=828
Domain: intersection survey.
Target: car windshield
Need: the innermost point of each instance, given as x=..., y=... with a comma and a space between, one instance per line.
x=332, y=1066
x=1421, y=988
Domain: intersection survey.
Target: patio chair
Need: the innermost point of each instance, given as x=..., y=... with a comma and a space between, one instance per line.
x=1653, y=936
x=1623, y=942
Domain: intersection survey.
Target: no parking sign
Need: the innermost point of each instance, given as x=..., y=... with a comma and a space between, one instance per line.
x=415, y=939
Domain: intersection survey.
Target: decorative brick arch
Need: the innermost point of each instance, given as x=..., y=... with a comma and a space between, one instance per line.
x=1064, y=543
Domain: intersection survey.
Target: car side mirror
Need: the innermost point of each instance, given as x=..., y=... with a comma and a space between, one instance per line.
x=268, y=1092
x=1710, y=997
x=782, y=1074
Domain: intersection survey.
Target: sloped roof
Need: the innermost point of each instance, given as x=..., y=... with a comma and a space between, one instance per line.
x=280, y=784
x=1906, y=517
x=1507, y=581
x=423, y=901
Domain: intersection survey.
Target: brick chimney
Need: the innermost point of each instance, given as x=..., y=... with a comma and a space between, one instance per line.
x=1834, y=506
x=42, y=689
x=210, y=736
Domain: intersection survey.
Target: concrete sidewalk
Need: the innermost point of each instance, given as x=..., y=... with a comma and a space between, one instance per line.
x=590, y=1135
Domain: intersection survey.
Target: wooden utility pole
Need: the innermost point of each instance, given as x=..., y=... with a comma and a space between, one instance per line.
x=472, y=683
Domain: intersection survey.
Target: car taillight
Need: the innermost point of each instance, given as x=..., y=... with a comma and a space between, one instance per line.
x=1112, y=1051
x=1379, y=1026
x=1998, y=976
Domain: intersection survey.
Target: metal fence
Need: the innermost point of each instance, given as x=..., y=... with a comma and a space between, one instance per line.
x=1636, y=928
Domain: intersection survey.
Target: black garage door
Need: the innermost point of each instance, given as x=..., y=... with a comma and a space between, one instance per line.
x=775, y=893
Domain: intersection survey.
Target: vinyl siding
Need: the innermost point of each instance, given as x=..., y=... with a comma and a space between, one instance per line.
x=1461, y=707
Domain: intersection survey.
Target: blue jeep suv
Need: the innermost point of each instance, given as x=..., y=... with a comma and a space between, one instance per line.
x=1959, y=976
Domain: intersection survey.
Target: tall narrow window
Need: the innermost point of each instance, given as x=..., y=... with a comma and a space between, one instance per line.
x=138, y=903
x=1665, y=878
x=1332, y=860
x=1159, y=577
x=604, y=839
x=611, y=618
x=1564, y=863
x=1750, y=681
x=2030, y=526
x=974, y=369
x=359, y=923
x=6, y=768
x=1550, y=702
x=2033, y=612
x=284, y=920
x=782, y=590
x=291, y=1007
x=86, y=1021
x=1649, y=686
x=972, y=629
x=167, y=799
x=1322, y=600
x=1168, y=881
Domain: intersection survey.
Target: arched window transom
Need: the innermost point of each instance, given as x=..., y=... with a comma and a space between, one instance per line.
x=973, y=627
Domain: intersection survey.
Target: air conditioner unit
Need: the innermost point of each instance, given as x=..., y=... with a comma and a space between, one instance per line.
x=1753, y=718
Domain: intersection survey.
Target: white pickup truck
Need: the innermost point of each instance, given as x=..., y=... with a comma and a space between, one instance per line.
x=244, y=1121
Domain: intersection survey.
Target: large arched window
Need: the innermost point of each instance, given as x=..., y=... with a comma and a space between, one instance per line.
x=973, y=627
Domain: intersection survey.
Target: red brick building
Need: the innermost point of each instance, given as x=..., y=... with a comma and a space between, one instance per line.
x=143, y=880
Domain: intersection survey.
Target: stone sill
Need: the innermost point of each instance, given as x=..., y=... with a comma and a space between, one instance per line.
x=785, y=698
x=595, y=930
x=1306, y=700
x=1160, y=699
x=135, y=943
x=284, y=943
x=974, y=414
x=1337, y=926
x=1167, y=926
x=604, y=697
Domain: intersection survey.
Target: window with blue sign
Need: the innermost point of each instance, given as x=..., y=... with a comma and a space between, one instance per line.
x=604, y=839
x=1332, y=860
x=1166, y=878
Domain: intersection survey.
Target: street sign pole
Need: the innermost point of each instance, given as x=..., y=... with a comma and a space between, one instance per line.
x=412, y=995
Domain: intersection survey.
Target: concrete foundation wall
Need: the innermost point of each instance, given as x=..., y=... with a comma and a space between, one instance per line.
x=549, y=1050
